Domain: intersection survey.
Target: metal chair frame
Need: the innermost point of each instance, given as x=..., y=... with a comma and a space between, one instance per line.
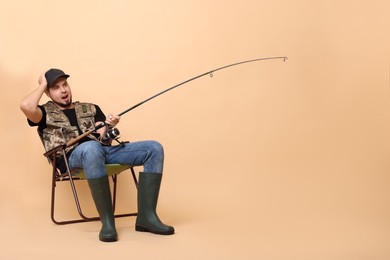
x=72, y=176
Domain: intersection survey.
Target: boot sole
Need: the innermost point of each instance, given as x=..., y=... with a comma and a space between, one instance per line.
x=108, y=239
x=143, y=229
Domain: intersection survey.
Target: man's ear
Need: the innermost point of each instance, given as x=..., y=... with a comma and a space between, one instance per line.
x=47, y=93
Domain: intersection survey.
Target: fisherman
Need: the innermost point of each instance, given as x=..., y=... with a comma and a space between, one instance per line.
x=60, y=120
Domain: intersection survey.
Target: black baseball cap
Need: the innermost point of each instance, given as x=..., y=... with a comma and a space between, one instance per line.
x=53, y=74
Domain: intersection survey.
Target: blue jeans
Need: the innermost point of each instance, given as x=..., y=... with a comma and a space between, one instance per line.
x=92, y=157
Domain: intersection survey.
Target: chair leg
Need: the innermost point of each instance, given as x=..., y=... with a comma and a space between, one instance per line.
x=53, y=191
x=78, y=206
x=134, y=177
x=114, y=181
x=64, y=222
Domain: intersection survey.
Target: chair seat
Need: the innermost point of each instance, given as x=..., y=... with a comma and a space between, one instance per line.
x=112, y=169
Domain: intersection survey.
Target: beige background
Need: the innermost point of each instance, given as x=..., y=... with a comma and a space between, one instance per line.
x=267, y=160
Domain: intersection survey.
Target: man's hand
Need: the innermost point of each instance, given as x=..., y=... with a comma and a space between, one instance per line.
x=112, y=120
x=42, y=79
x=29, y=104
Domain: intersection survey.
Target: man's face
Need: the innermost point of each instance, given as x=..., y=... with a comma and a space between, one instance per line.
x=60, y=93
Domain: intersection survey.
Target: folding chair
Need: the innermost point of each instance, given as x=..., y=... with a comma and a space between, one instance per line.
x=113, y=170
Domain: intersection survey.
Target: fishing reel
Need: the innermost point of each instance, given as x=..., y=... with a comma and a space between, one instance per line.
x=112, y=133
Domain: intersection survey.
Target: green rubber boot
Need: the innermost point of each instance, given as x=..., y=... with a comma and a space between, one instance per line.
x=101, y=194
x=147, y=219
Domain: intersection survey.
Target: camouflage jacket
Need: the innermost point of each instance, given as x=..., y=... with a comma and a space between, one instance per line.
x=59, y=130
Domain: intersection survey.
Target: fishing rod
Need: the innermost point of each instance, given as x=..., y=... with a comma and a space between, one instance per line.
x=115, y=133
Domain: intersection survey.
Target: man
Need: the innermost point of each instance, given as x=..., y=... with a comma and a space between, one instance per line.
x=61, y=120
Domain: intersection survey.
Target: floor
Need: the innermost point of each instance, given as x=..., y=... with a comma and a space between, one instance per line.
x=216, y=218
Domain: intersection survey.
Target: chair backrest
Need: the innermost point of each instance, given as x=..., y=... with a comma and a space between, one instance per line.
x=53, y=155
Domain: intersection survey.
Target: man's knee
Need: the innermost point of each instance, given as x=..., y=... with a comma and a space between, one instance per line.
x=157, y=147
x=92, y=150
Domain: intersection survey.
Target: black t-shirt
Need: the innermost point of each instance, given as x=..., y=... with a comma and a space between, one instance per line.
x=71, y=115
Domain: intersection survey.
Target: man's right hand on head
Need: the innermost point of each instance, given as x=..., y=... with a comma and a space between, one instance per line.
x=42, y=79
